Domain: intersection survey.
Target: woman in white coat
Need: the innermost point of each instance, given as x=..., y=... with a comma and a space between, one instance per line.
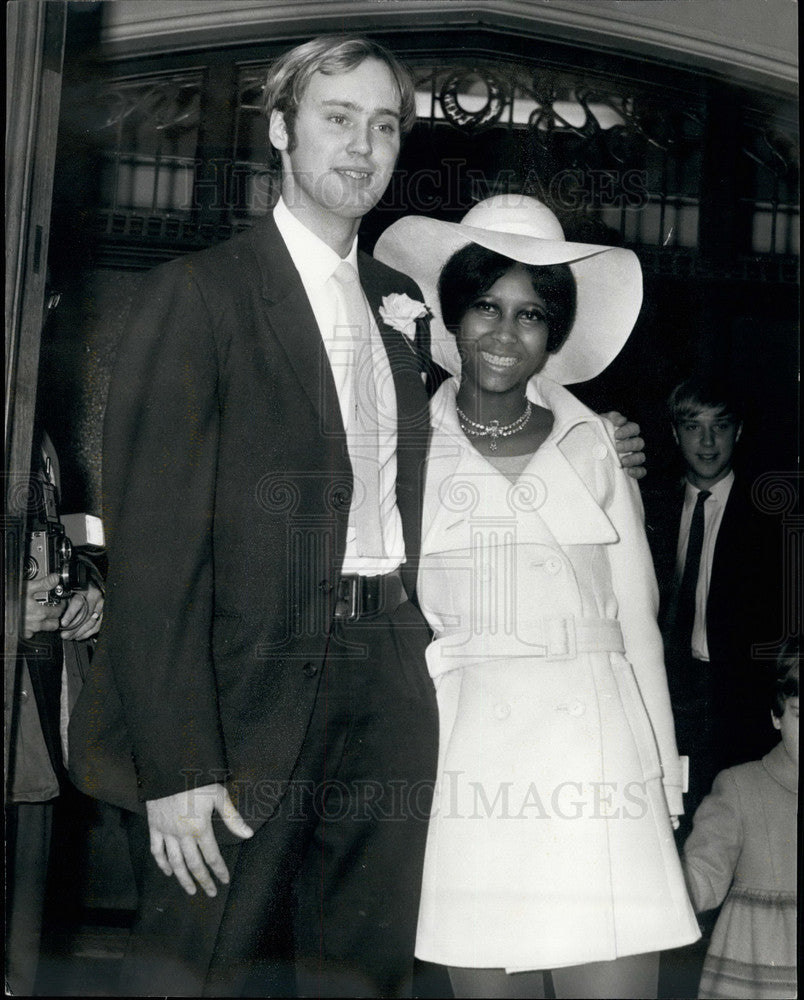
x=550, y=844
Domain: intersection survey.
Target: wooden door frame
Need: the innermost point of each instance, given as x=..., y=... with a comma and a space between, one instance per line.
x=35, y=53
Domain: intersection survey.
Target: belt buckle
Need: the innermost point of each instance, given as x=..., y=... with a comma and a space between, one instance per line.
x=560, y=642
x=351, y=597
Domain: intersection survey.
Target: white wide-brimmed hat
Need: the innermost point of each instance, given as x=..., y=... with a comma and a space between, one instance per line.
x=608, y=279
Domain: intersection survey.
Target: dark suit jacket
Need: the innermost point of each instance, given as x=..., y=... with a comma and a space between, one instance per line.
x=744, y=604
x=227, y=488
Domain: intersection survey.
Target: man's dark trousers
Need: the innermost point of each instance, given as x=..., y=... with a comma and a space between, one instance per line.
x=341, y=908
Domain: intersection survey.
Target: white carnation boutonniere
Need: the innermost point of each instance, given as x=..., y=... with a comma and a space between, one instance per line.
x=400, y=312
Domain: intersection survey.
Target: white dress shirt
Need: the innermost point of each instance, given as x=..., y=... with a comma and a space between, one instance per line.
x=713, y=515
x=316, y=263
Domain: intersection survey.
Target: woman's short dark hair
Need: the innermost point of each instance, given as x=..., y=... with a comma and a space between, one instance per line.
x=472, y=270
x=786, y=686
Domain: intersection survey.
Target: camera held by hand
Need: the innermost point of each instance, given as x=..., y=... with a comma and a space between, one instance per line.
x=52, y=550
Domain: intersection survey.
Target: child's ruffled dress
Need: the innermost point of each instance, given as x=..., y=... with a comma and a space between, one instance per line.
x=743, y=848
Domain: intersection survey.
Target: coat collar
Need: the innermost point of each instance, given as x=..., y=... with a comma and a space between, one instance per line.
x=566, y=506
x=781, y=767
x=568, y=410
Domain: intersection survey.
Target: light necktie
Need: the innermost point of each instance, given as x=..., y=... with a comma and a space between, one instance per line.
x=362, y=425
x=685, y=606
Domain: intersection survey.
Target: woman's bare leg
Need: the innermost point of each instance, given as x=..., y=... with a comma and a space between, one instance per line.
x=496, y=984
x=634, y=977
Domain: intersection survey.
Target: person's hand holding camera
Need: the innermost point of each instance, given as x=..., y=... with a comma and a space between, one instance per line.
x=78, y=617
x=83, y=615
x=38, y=616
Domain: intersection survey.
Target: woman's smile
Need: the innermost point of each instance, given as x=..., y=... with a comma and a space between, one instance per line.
x=503, y=334
x=499, y=360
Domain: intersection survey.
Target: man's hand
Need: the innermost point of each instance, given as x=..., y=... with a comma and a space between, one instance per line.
x=82, y=618
x=38, y=617
x=182, y=837
x=630, y=446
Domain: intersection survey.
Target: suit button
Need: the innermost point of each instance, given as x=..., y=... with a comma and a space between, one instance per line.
x=552, y=565
x=599, y=451
x=502, y=710
x=23, y=695
x=310, y=669
x=326, y=586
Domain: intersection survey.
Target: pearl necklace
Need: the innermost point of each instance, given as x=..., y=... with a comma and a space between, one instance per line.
x=494, y=430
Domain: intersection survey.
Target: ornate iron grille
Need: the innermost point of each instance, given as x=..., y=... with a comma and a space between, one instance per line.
x=591, y=151
x=619, y=161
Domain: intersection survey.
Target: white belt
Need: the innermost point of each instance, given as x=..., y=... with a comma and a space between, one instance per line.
x=567, y=636
x=563, y=637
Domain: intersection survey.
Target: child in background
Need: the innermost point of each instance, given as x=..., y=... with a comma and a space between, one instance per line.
x=743, y=844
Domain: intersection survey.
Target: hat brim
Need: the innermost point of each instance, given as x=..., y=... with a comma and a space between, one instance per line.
x=608, y=279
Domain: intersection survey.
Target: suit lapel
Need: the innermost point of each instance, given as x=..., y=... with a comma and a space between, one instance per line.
x=290, y=318
x=413, y=413
x=405, y=364
x=727, y=544
x=413, y=416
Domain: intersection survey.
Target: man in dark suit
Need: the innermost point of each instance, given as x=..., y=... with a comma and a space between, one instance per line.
x=262, y=662
x=714, y=554
x=260, y=701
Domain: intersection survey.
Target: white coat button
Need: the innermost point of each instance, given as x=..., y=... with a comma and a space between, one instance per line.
x=502, y=710
x=552, y=565
x=576, y=708
x=599, y=451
